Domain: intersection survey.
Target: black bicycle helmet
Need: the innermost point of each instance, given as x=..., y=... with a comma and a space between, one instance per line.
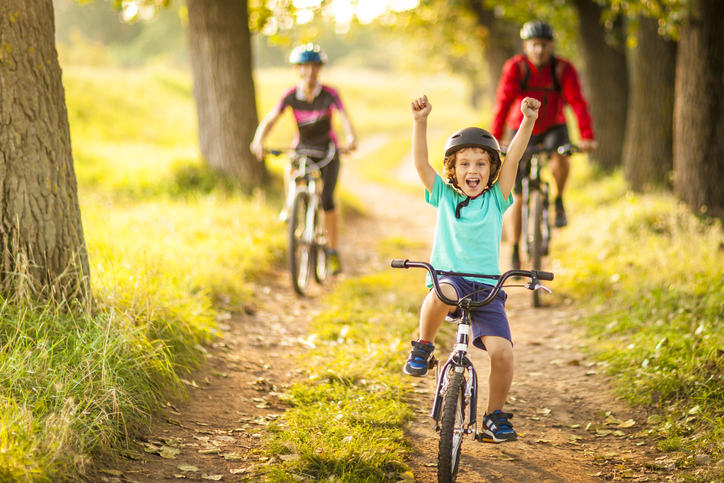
x=536, y=30
x=471, y=137
x=307, y=53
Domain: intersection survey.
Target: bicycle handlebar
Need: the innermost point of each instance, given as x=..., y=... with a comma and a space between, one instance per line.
x=534, y=276
x=280, y=151
x=565, y=150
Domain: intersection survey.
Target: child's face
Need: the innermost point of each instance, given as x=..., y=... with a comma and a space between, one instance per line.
x=472, y=170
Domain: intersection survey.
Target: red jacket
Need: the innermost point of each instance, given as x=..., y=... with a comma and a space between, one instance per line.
x=541, y=87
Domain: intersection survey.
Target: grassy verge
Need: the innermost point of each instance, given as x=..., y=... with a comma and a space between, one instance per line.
x=346, y=421
x=170, y=249
x=651, y=277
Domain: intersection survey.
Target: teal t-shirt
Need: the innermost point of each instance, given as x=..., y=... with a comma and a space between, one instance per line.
x=470, y=244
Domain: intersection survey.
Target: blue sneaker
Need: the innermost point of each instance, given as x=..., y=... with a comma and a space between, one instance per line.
x=420, y=354
x=497, y=428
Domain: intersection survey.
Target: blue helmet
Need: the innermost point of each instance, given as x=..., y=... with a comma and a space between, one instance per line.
x=536, y=30
x=307, y=53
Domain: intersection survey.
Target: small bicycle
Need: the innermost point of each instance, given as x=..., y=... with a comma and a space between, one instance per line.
x=455, y=403
x=535, y=219
x=305, y=216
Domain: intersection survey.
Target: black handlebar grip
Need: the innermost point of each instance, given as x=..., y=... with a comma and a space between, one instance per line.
x=545, y=276
x=398, y=263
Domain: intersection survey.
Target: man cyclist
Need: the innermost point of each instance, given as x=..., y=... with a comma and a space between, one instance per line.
x=312, y=104
x=552, y=80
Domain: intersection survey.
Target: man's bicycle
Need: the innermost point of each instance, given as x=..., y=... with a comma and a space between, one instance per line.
x=455, y=403
x=305, y=216
x=536, y=216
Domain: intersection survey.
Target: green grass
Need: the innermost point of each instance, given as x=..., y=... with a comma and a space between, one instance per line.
x=346, y=422
x=651, y=278
x=169, y=248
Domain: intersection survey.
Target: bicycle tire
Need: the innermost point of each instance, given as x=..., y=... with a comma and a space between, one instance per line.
x=320, y=260
x=299, y=247
x=451, y=428
x=536, y=248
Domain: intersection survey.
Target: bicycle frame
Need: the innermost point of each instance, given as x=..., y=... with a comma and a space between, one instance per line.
x=307, y=179
x=459, y=360
x=307, y=235
x=535, y=209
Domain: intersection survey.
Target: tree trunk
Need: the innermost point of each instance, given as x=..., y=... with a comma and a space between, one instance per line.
x=220, y=51
x=648, y=150
x=607, y=85
x=501, y=42
x=43, y=249
x=698, y=118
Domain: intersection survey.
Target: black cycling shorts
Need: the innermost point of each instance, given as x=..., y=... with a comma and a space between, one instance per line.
x=330, y=174
x=551, y=139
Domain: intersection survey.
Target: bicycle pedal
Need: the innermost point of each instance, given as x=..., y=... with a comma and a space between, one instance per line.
x=432, y=362
x=479, y=437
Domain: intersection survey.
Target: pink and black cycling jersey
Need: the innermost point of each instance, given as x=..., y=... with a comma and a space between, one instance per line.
x=314, y=119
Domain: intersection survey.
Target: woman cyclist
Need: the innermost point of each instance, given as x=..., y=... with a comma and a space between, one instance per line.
x=313, y=104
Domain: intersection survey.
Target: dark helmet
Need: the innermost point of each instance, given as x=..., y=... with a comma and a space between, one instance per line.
x=536, y=30
x=307, y=53
x=471, y=137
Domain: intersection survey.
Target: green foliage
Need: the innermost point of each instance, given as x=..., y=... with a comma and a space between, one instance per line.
x=346, y=422
x=168, y=252
x=669, y=13
x=651, y=276
x=73, y=383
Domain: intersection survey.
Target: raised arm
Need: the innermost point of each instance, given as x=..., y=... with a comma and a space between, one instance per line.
x=516, y=149
x=421, y=108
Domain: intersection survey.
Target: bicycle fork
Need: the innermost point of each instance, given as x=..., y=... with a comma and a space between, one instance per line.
x=458, y=362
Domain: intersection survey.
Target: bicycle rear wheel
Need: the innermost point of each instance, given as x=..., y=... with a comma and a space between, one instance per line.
x=536, y=246
x=452, y=428
x=299, y=246
x=319, y=247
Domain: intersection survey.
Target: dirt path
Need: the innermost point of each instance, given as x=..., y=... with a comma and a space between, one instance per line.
x=557, y=392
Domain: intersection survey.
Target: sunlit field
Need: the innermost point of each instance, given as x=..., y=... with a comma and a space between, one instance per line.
x=172, y=248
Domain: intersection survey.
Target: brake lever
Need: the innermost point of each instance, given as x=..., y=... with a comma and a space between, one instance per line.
x=539, y=286
x=534, y=285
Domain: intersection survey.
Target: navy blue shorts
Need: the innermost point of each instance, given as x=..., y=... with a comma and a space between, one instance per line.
x=488, y=320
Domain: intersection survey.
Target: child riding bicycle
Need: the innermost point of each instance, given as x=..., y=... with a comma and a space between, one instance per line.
x=470, y=202
x=313, y=104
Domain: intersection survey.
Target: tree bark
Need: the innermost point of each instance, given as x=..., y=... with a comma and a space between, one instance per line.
x=43, y=248
x=502, y=41
x=648, y=149
x=220, y=52
x=699, y=110
x=607, y=85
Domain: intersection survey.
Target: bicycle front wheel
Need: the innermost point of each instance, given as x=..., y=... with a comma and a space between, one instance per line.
x=536, y=246
x=299, y=245
x=452, y=428
x=319, y=247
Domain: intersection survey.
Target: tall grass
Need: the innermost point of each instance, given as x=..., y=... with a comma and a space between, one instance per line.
x=651, y=276
x=168, y=250
x=346, y=422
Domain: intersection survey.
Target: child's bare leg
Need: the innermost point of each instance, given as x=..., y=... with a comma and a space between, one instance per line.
x=500, y=352
x=434, y=311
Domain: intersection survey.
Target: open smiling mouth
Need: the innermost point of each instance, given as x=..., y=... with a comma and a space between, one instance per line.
x=472, y=183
